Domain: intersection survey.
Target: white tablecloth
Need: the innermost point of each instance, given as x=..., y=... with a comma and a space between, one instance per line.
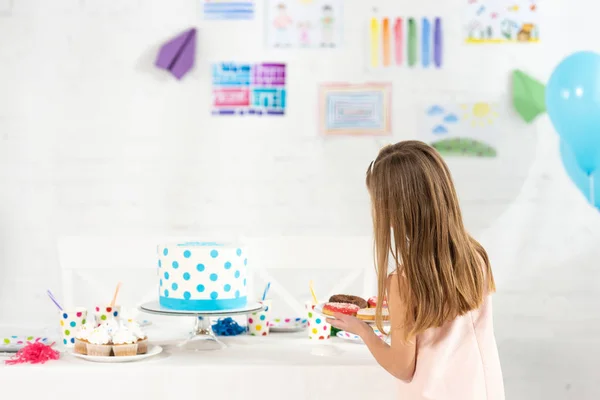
x=281, y=366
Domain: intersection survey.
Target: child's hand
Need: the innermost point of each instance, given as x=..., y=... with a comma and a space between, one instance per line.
x=349, y=324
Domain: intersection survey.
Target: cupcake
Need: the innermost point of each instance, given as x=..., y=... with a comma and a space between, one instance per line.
x=142, y=339
x=99, y=342
x=81, y=338
x=111, y=326
x=124, y=342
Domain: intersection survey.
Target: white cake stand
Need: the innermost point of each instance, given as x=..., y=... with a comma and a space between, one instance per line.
x=202, y=337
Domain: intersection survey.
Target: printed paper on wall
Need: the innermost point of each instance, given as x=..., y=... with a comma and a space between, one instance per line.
x=355, y=109
x=304, y=24
x=248, y=89
x=228, y=9
x=461, y=129
x=501, y=21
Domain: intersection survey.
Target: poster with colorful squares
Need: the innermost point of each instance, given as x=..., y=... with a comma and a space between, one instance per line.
x=248, y=88
x=228, y=9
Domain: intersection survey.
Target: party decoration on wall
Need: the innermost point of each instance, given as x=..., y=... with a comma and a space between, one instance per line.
x=228, y=9
x=528, y=94
x=245, y=88
x=394, y=42
x=304, y=24
x=502, y=21
x=178, y=55
x=467, y=129
x=355, y=109
x=573, y=104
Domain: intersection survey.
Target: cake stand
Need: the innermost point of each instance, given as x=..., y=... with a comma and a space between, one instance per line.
x=202, y=337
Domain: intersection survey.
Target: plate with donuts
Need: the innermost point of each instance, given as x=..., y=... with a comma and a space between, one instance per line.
x=352, y=305
x=351, y=337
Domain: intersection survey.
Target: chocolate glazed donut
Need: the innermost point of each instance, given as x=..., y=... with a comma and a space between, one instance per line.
x=346, y=298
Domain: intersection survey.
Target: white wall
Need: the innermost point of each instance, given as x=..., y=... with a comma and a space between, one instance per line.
x=95, y=141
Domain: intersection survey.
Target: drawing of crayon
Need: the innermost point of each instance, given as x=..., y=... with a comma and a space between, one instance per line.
x=437, y=43
x=387, y=57
x=398, y=35
x=412, y=42
x=425, y=43
x=374, y=32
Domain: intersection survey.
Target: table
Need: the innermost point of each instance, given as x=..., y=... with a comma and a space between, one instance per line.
x=280, y=366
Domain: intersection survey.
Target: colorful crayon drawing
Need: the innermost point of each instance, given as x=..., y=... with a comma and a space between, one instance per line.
x=466, y=130
x=405, y=42
x=228, y=9
x=355, y=109
x=254, y=89
x=304, y=24
x=502, y=21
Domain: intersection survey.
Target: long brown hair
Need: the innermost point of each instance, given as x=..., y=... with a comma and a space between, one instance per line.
x=442, y=271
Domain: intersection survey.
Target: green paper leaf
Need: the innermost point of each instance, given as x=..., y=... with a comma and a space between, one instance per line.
x=529, y=96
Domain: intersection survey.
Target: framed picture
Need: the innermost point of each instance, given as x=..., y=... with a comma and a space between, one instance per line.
x=355, y=109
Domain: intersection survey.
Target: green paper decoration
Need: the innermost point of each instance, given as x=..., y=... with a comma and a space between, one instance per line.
x=529, y=96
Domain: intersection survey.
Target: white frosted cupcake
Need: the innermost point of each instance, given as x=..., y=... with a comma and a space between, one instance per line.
x=99, y=342
x=124, y=342
x=111, y=326
x=142, y=339
x=81, y=338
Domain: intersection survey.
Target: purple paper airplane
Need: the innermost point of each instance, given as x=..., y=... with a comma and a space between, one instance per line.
x=178, y=54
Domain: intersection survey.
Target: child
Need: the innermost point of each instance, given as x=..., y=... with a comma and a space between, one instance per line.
x=438, y=291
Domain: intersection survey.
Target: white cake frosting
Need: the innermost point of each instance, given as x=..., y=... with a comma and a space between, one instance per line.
x=201, y=276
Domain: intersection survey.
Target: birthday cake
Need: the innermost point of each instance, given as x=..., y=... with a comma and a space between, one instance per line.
x=201, y=276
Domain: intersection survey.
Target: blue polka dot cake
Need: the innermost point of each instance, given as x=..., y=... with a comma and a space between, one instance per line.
x=201, y=276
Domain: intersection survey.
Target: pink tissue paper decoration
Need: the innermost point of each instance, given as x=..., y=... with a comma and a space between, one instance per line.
x=34, y=353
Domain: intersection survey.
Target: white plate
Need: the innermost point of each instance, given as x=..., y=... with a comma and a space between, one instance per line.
x=152, y=351
x=288, y=324
x=153, y=307
x=351, y=337
x=15, y=343
x=319, y=310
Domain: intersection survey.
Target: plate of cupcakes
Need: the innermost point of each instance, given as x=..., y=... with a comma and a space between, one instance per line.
x=353, y=305
x=113, y=342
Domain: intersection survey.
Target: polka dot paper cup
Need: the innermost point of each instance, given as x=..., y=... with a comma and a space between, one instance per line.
x=258, y=322
x=106, y=313
x=70, y=322
x=318, y=328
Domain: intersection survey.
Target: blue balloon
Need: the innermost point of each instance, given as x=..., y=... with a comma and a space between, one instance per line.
x=580, y=178
x=573, y=104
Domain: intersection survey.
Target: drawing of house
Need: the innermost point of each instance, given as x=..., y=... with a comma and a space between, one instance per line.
x=525, y=34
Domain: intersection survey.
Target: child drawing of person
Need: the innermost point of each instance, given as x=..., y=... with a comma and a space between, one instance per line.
x=282, y=23
x=327, y=27
x=304, y=31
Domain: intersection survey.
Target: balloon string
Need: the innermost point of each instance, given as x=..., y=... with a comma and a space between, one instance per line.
x=592, y=194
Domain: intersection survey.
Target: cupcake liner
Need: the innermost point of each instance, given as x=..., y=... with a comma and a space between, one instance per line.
x=80, y=346
x=102, y=350
x=122, y=350
x=142, y=346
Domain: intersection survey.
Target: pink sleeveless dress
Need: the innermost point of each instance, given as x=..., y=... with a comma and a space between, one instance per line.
x=458, y=361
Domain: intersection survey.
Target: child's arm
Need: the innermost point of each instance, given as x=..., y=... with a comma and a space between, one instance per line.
x=399, y=358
